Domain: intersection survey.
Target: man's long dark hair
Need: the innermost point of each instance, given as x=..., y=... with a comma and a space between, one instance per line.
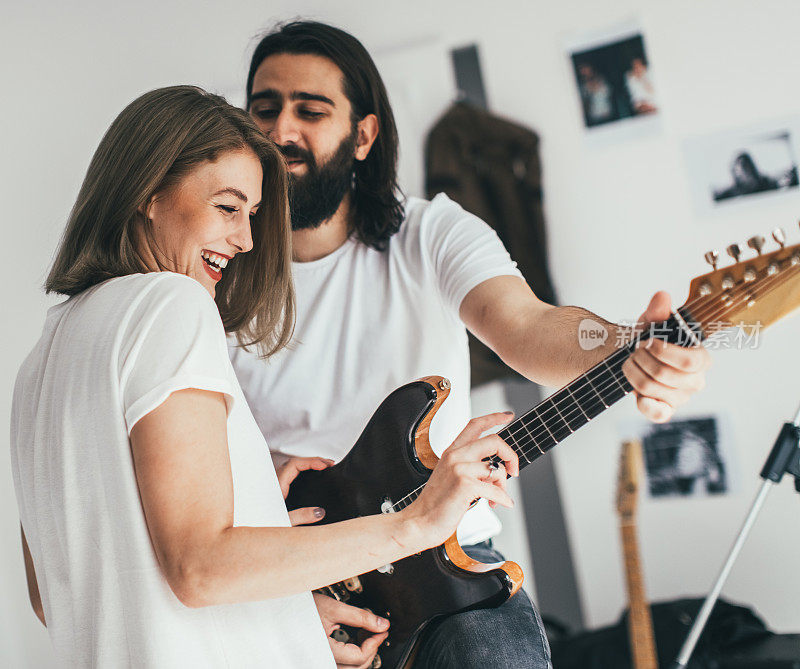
x=376, y=211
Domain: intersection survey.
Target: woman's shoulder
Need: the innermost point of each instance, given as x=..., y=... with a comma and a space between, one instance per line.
x=151, y=291
x=155, y=284
x=138, y=299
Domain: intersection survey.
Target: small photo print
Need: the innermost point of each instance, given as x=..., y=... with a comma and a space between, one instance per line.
x=613, y=77
x=729, y=167
x=685, y=458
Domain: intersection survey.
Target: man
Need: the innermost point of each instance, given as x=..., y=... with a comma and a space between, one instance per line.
x=385, y=292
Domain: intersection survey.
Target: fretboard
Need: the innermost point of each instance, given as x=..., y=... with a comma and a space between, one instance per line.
x=567, y=410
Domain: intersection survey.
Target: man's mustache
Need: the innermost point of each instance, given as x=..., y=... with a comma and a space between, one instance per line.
x=292, y=152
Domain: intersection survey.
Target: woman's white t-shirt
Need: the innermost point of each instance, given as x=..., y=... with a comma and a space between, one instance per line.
x=106, y=358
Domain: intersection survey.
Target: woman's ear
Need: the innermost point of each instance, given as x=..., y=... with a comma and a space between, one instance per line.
x=366, y=133
x=146, y=209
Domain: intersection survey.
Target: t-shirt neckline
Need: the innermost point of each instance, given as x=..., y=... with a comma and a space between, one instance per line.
x=332, y=257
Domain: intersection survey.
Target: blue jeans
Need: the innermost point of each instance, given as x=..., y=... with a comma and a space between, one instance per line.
x=508, y=637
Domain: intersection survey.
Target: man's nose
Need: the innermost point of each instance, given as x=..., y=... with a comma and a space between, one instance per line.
x=284, y=130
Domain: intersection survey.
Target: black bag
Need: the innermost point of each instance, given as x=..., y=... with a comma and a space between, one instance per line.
x=730, y=627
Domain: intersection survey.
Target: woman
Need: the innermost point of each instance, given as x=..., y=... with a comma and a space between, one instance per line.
x=154, y=528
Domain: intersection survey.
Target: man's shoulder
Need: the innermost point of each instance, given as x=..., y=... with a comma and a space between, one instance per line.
x=425, y=217
x=439, y=205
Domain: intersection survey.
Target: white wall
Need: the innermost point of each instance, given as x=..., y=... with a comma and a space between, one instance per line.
x=620, y=220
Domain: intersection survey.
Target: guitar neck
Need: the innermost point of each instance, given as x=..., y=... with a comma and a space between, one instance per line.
x=640, y=623
x=551, y=421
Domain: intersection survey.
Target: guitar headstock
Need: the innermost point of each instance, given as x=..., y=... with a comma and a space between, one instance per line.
x=630, y=464
x=754, y=292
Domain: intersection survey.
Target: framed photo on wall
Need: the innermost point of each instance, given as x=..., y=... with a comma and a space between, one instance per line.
x=613, y=80
x=744, y=165
x=686, y=458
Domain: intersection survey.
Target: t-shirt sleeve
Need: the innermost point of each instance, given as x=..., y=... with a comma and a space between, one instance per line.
x=173, y=339
x=463, y=250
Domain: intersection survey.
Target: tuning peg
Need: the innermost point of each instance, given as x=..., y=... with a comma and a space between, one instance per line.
x=779, y=235
x=712, y=258
x=734, y=252
x=756, y=243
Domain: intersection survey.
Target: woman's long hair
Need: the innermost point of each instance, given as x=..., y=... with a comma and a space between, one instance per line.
x=150, y=147
x=377, y=212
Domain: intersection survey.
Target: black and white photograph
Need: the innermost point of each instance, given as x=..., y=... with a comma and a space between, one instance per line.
x=613, y=77
x=685, y=458
x=745, y=164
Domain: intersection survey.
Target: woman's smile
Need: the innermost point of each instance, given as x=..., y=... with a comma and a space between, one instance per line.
x=214, y=263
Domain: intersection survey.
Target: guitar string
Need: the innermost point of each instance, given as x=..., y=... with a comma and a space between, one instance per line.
x=617, y=378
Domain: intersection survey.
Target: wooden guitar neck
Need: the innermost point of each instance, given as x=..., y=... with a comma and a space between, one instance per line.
x=640, y=622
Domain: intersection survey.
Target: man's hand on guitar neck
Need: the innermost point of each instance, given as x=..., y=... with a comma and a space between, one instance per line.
x=664, y=376
x=541, y=342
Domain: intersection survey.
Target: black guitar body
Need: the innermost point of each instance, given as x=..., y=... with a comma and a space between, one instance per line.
x=382, y=468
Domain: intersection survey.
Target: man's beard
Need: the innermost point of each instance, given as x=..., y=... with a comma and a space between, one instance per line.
x=315, y=196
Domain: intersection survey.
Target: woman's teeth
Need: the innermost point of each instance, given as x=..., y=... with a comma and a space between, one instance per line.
x=216, y=261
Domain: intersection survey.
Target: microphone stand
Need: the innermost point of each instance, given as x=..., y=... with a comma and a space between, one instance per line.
x=784, y=458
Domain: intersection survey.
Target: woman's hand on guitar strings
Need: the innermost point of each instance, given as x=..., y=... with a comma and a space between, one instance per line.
x=287, y=473
x=464, y=475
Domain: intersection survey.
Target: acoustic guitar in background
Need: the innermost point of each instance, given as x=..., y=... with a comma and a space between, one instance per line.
x=640, y=622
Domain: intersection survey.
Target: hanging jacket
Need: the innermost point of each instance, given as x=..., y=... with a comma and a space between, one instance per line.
x=491, y=167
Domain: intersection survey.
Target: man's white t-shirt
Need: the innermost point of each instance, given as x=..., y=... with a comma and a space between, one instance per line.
x=370, y=321
x=106, y=358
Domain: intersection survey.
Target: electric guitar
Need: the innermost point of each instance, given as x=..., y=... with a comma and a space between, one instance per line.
x=389, y=464
x=640, y=622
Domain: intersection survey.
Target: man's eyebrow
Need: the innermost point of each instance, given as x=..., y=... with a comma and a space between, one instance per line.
x=272, y=94
x=300, y=95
